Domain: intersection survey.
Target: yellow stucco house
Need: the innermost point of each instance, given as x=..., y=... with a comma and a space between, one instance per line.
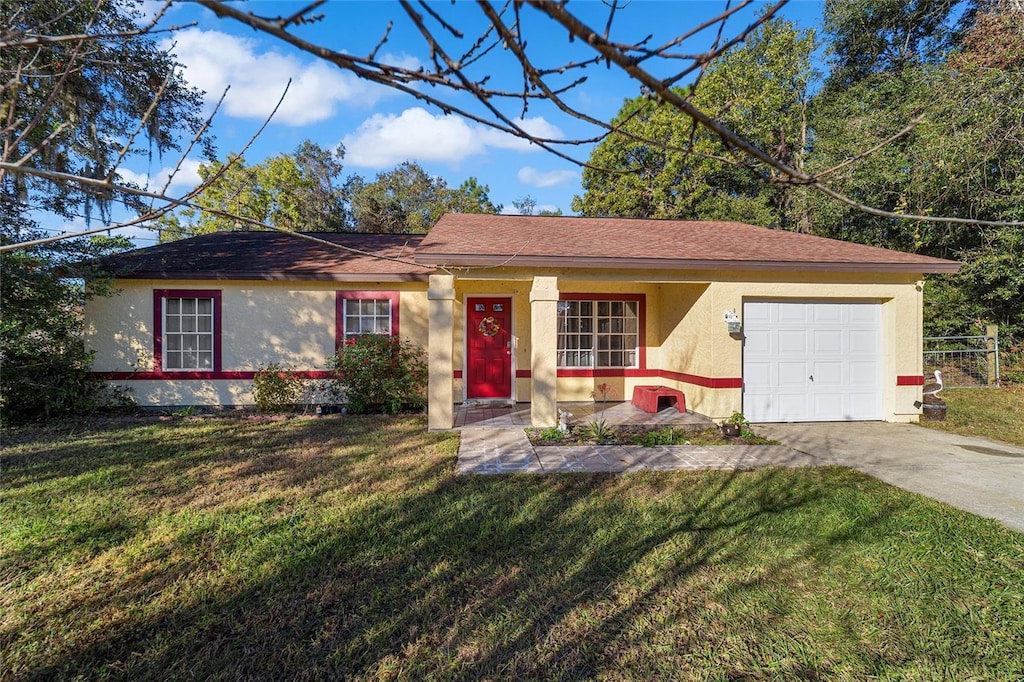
x=778, y=325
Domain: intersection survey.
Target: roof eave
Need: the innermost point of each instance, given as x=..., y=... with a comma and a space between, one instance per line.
x=277, y=276
x=475, y=260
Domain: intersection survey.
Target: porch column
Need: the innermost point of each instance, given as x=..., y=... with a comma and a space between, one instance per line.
x=543, y=351
x=440, y=386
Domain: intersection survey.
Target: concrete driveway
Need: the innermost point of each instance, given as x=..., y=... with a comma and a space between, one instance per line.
x=980, y=476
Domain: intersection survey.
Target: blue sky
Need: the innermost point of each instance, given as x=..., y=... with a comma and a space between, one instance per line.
x=380, y=127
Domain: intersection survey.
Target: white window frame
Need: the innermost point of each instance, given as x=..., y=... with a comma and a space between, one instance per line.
x=602, y=326
x=188, y=333
x=368, y=322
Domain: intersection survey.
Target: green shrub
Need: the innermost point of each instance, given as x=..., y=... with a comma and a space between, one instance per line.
x=1011, y=366
x=553, y=433
x=667, y=436
x=380, y=374
x=599, y=431
x=276, y=389
x=45, y=367
x=43, y=385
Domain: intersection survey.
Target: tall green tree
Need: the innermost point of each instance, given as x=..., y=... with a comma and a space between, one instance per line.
x=408, y=199
x=78, y=81
x=45, y=370
x=867, y=37
x=965, y=157
x=70, y=103
x=660, y=166
x=300, y=191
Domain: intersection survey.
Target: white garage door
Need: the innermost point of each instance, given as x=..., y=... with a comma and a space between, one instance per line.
x=812, y=361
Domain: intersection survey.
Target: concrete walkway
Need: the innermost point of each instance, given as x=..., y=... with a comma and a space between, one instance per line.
x=979, y=476
x=508, y=451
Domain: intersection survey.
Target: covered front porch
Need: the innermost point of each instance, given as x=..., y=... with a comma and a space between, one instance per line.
x=534, y=343
x=491, y=415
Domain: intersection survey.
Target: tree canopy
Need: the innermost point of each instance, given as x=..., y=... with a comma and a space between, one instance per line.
x=75, y=107
x=305, y=191
x=964, y=157
x=298, y=191
x=760, y=89
x=45, y=370
x=920, y=113
x=408, y=199
x=82, y=106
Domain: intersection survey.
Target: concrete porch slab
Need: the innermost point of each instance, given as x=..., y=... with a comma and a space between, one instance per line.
x=504, y=415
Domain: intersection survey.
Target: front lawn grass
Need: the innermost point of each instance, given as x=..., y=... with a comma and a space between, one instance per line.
x=346, y=547
x=994, y=413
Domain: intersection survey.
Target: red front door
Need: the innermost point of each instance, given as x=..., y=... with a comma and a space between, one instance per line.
x=489, y=348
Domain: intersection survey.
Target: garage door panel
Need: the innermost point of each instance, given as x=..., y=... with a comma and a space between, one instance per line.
x=790, y=313
x=829, y=405
x=824, y=313
x=827, y=341
x=786, y=343
x=757, y=314
x=758, y=341
x=791, y=406
x=759, y=406
x=863, y=404
x=863, y=313
x=792, y=374
x=863, y=341
x=792, y=342
x=828, y=373
x=758, y=374
x=862, y=374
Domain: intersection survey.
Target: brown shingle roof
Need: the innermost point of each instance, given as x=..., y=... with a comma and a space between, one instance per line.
x=273, y=255
x=467, y=239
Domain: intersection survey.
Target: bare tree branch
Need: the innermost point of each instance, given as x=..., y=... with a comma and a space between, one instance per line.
x=868, y=152
x=457, y=69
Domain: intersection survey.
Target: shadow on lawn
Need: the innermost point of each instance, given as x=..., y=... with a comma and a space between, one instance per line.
x=336, y=551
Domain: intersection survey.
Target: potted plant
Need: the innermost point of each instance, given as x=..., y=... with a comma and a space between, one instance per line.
x=734, y=425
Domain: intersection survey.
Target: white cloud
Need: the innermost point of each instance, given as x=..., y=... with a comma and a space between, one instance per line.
x=387, y=139
x=186, y=178
x=403, y=60
x=528, y=175
x=215, y=60
x=537, y=127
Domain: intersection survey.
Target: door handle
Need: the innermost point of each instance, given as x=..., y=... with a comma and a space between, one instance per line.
x=812, y=378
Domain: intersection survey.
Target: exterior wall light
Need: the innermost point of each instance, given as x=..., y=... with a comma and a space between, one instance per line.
x=733, y=321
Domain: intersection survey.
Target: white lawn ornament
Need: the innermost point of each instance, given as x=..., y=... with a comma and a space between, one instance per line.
x=933, y=389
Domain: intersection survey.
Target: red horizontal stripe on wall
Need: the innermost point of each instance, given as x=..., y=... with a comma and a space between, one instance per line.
x=910, y=380
x=706, y=382
x=610, y=372
x=210, y=376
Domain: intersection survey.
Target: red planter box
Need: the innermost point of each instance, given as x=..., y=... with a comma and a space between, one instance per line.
x=652, y=398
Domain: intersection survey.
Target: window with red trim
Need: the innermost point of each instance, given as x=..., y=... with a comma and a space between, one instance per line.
x=366, y=312
x=187, y=330
x=595, y=334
